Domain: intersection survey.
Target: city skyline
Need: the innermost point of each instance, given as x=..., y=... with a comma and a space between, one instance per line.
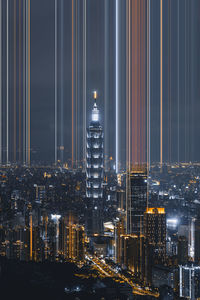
x=99, y=149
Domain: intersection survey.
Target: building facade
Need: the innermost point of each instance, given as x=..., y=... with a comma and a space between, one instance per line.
x=136, y=201
x=189, y=281
x=94, y=173
x=155, y=233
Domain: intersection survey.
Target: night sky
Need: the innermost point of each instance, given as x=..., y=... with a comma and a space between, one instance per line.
x=181, y=73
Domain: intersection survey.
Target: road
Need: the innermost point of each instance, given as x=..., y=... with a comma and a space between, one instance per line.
x=108, y=271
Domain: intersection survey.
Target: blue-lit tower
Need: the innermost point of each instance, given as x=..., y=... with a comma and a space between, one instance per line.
x=94, y=173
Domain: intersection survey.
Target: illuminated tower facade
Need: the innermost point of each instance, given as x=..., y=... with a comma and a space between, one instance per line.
x=94, y=172
x=136, y=201
x=155, y=233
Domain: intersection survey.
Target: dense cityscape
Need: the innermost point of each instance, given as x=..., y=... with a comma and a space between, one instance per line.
x=127, y=242
x=99, y=149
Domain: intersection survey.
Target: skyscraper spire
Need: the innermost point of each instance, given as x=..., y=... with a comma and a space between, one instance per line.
x=94, y=172
x=95, y=111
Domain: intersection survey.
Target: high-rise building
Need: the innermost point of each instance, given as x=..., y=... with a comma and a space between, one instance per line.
x=155, y=232
x=94, y=173
x=40, y=194
x=71, y=240
x=197, y=240
x=132, y=254
x=136, y=201
x=189, y=281
x=119, y=232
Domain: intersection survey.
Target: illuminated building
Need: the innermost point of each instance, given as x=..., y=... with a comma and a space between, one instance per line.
x=94, y=173
x=189, y=281
x=119, y=231
x=133, y=254
x=121, y=200
x=75, y=242
x=197, y=240
x=37, y=245
x=71, y=240
x=155, y=232
x=136, y=201
x=40, y=194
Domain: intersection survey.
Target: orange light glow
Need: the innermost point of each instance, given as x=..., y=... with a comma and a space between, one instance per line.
x=155, y=210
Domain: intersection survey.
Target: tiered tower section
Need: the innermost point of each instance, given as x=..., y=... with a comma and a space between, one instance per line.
x=94, y=171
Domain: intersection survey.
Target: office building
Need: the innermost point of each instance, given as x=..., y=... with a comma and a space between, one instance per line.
x=71, y=240
x=197, y=240
x=132, y=254
x=189, y=281
x=155, y=232
x=136, y=201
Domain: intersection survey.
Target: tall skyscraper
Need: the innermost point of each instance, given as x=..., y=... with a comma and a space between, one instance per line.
x=189, y=281
x=94, y=172
x=71, y=239
x=197, y=240
x=136, y=201
x=155, y=232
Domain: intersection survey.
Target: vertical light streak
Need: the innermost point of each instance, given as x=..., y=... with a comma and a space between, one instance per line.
x=7, y=85
x=84, y=79
x=178, y=96
x=135, y=87
x=72, y=84
x=14, y=83
x=24, y=81
x=62, y=85
x=148, y=92
x=128, y=8
x=76, y=85
x=28, y=82
x=0, y=82
x=185, y=69
x=20, y=94
x=161, y=83
x=56, y=81
x=106, y=78
x=29, y=78
x=169, y=81
x=129, y=87
x=143, y=158
x=149, y=85
x=117, y=83
x=129, y=100
x=138, y=98
x=192, y=55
